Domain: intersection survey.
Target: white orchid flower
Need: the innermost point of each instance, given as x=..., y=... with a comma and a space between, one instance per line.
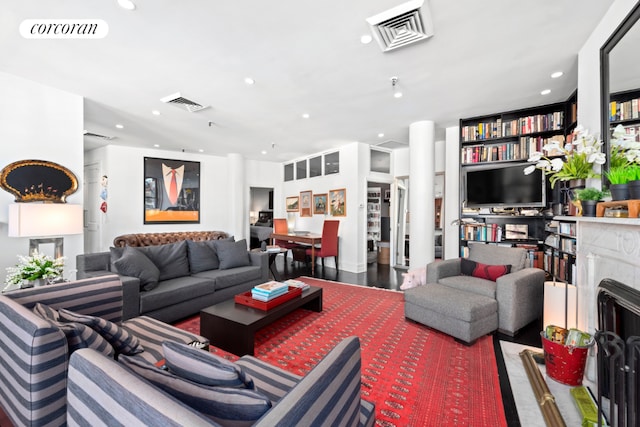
x=535, y=156
x=557, y=164
x=529, y=169
x=597, y=158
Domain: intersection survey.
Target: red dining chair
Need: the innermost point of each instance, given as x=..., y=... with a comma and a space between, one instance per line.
x=329, y=245
x=280, y=227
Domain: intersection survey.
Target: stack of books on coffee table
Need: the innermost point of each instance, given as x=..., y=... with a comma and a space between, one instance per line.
x=297, y=284
x=268, y=291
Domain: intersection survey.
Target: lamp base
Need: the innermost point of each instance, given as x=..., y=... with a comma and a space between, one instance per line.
x=58, y=242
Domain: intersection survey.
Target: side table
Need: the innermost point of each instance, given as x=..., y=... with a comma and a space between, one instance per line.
x=272, y=260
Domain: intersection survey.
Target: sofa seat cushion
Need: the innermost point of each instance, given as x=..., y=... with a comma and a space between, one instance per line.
x=174, y=291
x=471, y=284
x=227, y=278
x=451, y=302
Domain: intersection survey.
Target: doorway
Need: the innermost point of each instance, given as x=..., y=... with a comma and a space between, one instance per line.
x=402, y=217
x=260, y=215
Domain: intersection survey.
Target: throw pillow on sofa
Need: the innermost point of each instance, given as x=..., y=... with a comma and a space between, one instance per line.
x=232, y=254
x=227, y=406
x=171, y=259
x=78, y=335
x=121, y=340
x=204, y=367
x=136, y=264
x=202, y=256
x=483, y=271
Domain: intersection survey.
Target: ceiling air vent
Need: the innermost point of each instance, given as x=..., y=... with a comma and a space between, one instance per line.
x=182, y=102
x=97, y=135
x=392, y=145
x=401, y=26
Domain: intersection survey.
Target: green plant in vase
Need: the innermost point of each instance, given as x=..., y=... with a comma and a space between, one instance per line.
x=589, y=197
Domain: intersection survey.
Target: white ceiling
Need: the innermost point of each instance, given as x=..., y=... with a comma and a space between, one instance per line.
x=306, y=57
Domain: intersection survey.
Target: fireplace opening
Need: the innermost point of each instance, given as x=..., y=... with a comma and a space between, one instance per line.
x=618, y=339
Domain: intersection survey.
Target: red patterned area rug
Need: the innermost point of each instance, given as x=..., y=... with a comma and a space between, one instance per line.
x=416, y=376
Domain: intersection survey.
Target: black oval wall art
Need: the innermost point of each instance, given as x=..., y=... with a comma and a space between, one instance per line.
x=38, y=181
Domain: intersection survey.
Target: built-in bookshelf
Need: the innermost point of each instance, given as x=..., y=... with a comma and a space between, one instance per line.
x=511, y=137
x=560, y=250
x=624, y=109
x=374, y=205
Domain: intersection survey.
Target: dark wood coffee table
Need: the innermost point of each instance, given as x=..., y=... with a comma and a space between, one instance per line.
x=232, y=327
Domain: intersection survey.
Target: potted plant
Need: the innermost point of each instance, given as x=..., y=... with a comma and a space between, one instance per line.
x=634, y=181
x=574, y=161
x=34, y=270
x=589, y=197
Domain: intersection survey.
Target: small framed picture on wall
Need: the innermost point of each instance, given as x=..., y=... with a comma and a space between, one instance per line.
x=338, y=202
x=305, y=203
x=292, y=204
x=320, y=204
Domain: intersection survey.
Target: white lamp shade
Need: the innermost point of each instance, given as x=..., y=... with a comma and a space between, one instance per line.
x=44, y=219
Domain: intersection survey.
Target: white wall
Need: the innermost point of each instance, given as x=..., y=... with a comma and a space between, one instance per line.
x=125, y=168
x=589, y=65
x=43, y=123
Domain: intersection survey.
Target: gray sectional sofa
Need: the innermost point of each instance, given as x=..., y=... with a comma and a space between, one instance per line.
x=175, y=280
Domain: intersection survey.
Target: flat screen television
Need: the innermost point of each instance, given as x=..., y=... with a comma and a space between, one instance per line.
x=503, y=186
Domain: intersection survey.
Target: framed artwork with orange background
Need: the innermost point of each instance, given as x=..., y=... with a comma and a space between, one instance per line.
x=171, y=191
x=305, y=203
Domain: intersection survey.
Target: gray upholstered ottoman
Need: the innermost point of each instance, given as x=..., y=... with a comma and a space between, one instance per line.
x=463, y=315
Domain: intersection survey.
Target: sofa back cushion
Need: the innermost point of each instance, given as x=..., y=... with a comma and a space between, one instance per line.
x=232, y=254
x=171, y=259
x=134, y=263
x=202, y=256
x=483, y=271
x=494, y=255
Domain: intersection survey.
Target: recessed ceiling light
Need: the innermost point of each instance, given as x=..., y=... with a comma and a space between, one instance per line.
x=306, y=116
x=263, y=152
x=366, y=39
x=156, y=145
x=397, y=94
x=380, y=135
x=201, y=150
x=557, y=74
x=155, y=112
x=119, y=126
x=545, y=92
x=127, y=4
x=249, y=80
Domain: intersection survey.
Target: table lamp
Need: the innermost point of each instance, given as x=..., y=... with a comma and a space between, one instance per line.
x=45, y=219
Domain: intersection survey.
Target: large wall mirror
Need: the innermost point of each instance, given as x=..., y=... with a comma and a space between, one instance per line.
x=620, y=68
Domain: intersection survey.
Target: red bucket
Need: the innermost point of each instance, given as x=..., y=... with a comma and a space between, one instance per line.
x=565, y=364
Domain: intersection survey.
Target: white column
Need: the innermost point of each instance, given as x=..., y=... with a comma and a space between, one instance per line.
x=238, y=209
x=452, y=194
x=421, y=193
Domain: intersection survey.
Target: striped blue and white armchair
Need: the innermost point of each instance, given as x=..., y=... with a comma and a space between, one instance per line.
x=34, y=355
x=104, y=390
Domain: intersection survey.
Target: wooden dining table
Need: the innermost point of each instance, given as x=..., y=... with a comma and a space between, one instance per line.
x=304, y=238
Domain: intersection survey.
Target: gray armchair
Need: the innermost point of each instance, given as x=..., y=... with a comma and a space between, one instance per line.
x=519, y=294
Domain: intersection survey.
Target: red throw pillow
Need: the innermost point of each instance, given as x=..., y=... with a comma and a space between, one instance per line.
x=483, y=271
